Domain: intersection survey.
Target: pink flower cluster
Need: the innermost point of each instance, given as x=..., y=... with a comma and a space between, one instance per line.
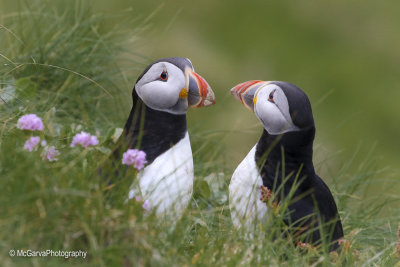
x=32, y=143
x=134, y=157
x=84, y=139
x=30, y=122
x=50, y=153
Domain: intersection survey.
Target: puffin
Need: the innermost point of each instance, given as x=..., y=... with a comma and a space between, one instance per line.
x=162, y=95
x=281, y=163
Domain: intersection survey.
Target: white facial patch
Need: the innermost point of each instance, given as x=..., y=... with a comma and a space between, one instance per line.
x=273, y=113
x=159, y=94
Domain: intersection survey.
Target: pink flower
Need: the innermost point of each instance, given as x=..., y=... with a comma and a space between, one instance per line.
x=134, y=157
x=146, y=205
x=32, y=143
x=30, y=122
x=50, y=153
x=43, y=143
x=84, y=139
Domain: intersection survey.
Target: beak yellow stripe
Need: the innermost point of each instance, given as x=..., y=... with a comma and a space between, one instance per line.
x=183, y=93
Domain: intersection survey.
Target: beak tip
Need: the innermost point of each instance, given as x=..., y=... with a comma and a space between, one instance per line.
x=210, y=97
x=204, y=94
x=235, y=93
x=244, y=93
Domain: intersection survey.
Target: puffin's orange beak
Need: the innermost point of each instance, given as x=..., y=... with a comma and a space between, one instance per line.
x=200, y=93
x=246, y=92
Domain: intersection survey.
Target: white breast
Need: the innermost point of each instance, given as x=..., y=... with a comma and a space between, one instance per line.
x=244, y=194
x=167, y=183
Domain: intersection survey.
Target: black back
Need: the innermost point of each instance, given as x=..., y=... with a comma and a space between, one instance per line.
x=314, y=195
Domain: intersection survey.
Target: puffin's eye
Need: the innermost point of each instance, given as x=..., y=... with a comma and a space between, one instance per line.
x=164, y=75
x=271, y=96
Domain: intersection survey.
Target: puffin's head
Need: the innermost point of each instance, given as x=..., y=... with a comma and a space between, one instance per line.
x=171, y=85
x=280, y=106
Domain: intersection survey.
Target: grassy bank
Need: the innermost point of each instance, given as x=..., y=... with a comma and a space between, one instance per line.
x=64, y=64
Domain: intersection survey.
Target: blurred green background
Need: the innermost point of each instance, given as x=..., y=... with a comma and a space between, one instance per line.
x=344, y=54
x=59, y=57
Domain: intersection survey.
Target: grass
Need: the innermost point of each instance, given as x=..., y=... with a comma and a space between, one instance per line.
x=65, y=65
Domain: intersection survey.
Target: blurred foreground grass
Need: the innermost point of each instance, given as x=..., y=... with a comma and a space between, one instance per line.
x=65, y=65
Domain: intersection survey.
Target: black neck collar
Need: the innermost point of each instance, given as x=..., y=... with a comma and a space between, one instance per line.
x=295, y=147
x=151, y=130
